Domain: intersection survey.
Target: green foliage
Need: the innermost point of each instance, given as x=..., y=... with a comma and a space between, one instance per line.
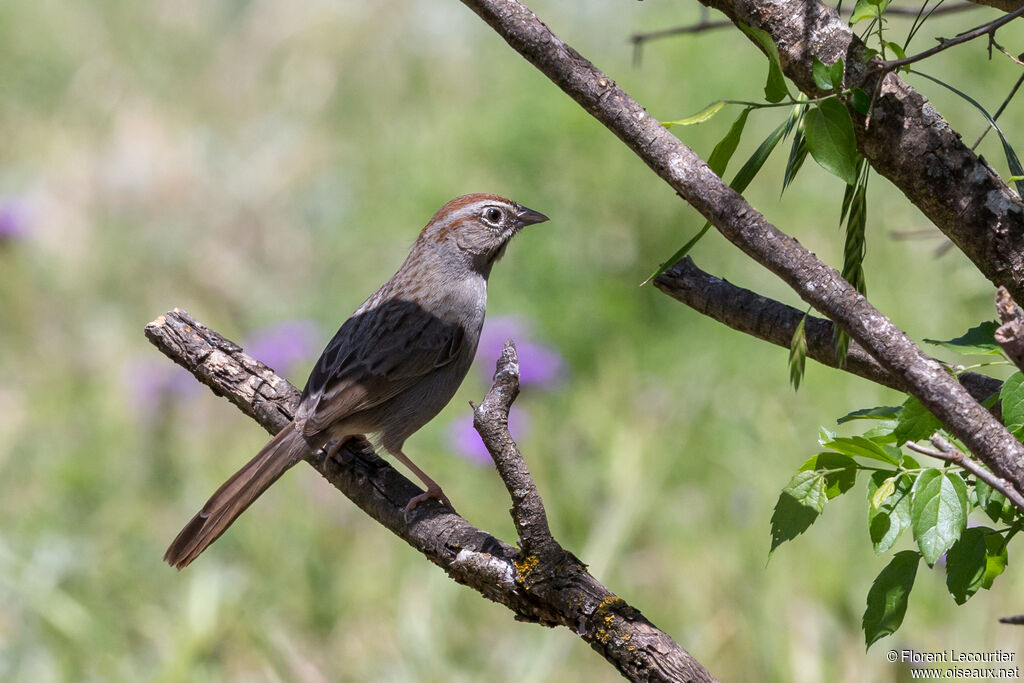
x=831, y=140
x=938, y=511
x=934, y=503
x=979, y=340
x=700, y=117
x=867, y=9
x=887, y=598
x=915, y=422
x=775, y=88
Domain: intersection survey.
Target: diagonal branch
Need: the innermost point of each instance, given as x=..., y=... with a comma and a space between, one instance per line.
x=907, y=141
x=775, y=322
x=542, y=583
x=817, y=283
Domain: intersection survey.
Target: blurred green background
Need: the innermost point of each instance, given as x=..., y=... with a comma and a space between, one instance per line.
x=259, y=163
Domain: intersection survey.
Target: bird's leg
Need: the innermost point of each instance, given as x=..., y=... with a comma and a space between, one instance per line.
x=433, y=490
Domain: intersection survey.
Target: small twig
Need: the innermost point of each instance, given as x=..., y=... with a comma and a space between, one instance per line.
x=491, y=419
x=1010, y=335
x=1017, y=620
x=705, y=25
x=550, y=587
x=947, y=452
x=945, y=43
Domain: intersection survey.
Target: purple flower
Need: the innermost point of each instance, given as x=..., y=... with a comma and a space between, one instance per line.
x=13, y=219
x=538, y=364
x=151, y=381
x=467, y=443
x=281, y=345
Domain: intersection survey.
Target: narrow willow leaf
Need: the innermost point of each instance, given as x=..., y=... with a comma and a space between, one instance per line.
x=938, y=510
x=798, y=354
x=977, y=341
x=1012, y=396
x=915, y=422
x=831, y=140
x=876, y=413
x=820, y=72
x=840, y=471
x=1011, y=156
x=965, y=564
x=891, y=516
x=739, y=183
x=723, y=151
x=775, y=89
x=887, y=598
x=799, y=505
x=700, y=117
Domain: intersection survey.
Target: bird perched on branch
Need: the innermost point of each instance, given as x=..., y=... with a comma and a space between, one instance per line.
x=391, y=367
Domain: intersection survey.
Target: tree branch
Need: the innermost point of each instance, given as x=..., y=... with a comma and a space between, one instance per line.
x=817, y=283
x=775, y=322
x=948, y=453
x=541, y=583
x=988, y=29
x=1010, y=335
x=908, y=141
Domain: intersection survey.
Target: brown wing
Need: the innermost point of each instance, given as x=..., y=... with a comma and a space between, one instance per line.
x=373, y=357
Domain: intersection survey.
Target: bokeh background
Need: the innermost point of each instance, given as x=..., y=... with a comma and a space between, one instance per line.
x=266, y=165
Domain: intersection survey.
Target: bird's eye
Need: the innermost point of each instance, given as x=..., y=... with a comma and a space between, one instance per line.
x=492, y=215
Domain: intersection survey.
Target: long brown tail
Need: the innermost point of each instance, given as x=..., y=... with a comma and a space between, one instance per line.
x=235, y=495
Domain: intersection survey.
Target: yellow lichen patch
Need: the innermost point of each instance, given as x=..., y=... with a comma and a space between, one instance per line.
x=525, y=565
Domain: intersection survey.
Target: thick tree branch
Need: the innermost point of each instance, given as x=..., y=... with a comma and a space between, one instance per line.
x=817, y=283
x=541, y=583
x=908, y=141
x=773, y=321
x=1010, y=335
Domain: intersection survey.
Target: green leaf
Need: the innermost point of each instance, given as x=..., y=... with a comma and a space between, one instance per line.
x=840, y=471
x=797, y=354
x=1011, y=156
x=965, y=564
x=797, y=152
x=867, y=9
x=977, y=341
x=891, y=516
x=739, y=183
x=700, y=117
x=876, y=413
x=860, y=101
x=995, y=559
x=859, y=447
x=887, y=598
x=999, y=509
x=1012, y=396
x=820, y=72
x=799, y=505
x=915, y=422
x=897, y=50
x=723, y=151
x=882, y=493
x=836, y=72
x=938, y=510
x=775, y=89
x=830, y=139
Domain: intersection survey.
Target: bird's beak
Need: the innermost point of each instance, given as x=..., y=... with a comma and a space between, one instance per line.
x=529, y=217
